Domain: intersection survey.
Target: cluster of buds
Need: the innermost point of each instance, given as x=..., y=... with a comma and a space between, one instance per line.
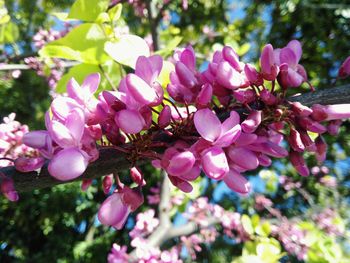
x=40, y=39
x=223, y=121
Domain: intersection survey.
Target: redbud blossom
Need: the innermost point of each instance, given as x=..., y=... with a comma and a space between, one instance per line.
x=25, y=164
x=86, y=183
x=330, y=112
x=299, y=164
x=164, y=117
x=107, y=183
x=236, y=182
x=115, y=209
x=295, y=141
x=321, y=149
x=137, y=176
x=251, y=123
x=8, y=189
x=344, y=70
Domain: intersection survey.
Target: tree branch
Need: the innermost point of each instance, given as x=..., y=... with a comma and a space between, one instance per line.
x=5, y=67
x=111, y=159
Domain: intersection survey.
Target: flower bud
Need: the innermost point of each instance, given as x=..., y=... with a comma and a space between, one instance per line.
x=86, y=183
x=252, y=122
x=299, y=163
x=252, y=75
x=24, y=164
x=344, y=70
x=321, y=149
x=295, y=141
x=204, y=96
x=267, y=97
x=137, y=176
x=8, y=189
x=164, y=117
x=107, y=183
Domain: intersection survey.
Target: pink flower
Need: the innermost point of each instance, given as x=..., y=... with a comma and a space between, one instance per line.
x=236, y=182
x=107, y=183
x=330, y=112
x=115, y=209
x=7, y=188
x=299, y=164
x=269, y=66
x=25, y=164
x=212, y=130
x=68, y=164
x=344, y=70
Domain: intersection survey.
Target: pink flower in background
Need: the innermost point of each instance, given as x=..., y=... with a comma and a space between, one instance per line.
x=115, y=210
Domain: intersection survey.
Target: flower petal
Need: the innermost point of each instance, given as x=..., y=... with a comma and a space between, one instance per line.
x=214, y=163
x=68, y=164
x=207, y=124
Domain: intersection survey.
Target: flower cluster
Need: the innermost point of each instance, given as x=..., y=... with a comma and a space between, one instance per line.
x=12, y=148
x=40, y=39
x=224, y=121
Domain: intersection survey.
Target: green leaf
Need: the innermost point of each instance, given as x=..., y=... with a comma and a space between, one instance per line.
x=247, y=224
x=115, y=12
x=79, y=72
x=84, y=43
x=9, y=33
x=169, y=49
x=127, y=49
x=88, y=10
x=63, y=16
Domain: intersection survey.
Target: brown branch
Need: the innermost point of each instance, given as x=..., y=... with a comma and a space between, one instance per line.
x=153, y=25
x=111, y=159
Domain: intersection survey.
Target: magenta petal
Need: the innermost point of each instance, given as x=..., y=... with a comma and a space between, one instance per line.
x=68, y=164
x=299, y=164
x=344, y=70
x=231, y=56
x=25, y=164
x=146, y=70
x=192, y=174
x=90, y=84
x=205, y=95
x=267, y=59
x=296, y=47
x=252, y=122
x=181, y=163
x=188, y=58
x=228, y=76
x=35, y=139
x=214, y=163
x=181, y=184
x=246, y=139
x=207, y=124
x=74, y=90
x=140, y=90
x=7, y=187
x=62, y=106
x=75, y=123
x=236, y=182
x=287, y=56
x=243, y=157
x=113, y=212
x=230, y=130
x=130, y=121
x=164, y=117
x=61, y=135
x=185, y=75
x=294, y=78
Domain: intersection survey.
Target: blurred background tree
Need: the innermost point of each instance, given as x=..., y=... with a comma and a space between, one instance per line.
x=60, y=224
